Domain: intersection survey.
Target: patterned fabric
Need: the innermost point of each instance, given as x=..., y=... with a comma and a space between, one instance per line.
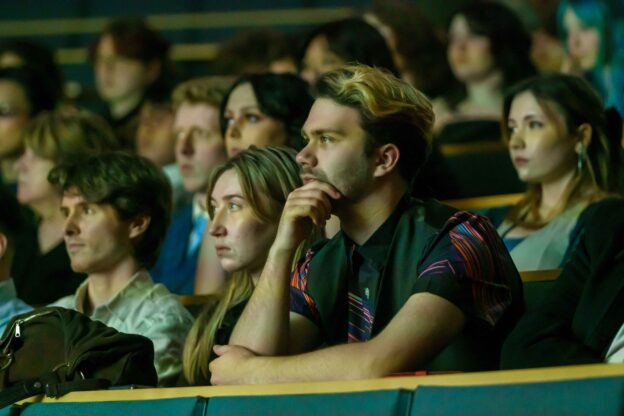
x=360, y=319
x=300, y=300
x=474, y=255
x=465, y=263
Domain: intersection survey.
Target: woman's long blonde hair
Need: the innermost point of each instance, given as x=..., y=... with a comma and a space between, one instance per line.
x=266, y=175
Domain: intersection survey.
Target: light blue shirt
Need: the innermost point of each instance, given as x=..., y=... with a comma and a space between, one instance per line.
x=10, y=305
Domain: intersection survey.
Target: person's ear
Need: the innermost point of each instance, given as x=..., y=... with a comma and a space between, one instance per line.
x=4, y=245
x=153, y=70
x=139, y=225
x=386, y=160
x=584, y=135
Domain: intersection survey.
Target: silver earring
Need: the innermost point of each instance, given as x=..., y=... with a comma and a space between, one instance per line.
x=580, y=160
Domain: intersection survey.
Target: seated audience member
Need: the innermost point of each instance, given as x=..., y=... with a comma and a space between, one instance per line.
x=352, y=40
x=341, y=42
x=130, y=61
x=24, y=93
x=155, y=140
x=405, y=285
x=593, y=32
x=488, y=50
x=556, y=128
x=582, y=320
x=11, y=224
x=417, y=50
x=199, y=149
x=246, y=198
x=263, y=110
x=256, y=52
x=23, y=52
x=41, y=267
x=540, y=19
x=260, y=110
x=116, y=208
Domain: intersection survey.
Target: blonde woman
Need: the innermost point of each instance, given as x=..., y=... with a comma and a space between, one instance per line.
x=41, y=268
x=246, y=196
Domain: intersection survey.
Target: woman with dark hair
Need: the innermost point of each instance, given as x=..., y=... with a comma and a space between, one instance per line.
x=417, y=49
x=24, y=93
x=338, y=43
x=260, y=110
x=264, y=109
x=488, y=50
x=22, y=52
x=556, y=129
x=131, y=62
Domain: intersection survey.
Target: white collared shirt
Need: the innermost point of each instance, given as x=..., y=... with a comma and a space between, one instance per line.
x=147, y=309
x=615, y=353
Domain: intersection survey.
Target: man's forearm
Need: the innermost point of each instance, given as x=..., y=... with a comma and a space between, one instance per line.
x=264, y=324
x=342, y=362
x=405, y=344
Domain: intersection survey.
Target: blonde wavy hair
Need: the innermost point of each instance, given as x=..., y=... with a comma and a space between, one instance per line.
x=204, y=90
x=67, y=133
x=266, y=175
x=391, y=111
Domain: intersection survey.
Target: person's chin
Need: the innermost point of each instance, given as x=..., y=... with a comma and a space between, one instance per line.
x=79, y=267
x=194, y=186
x=229, y=266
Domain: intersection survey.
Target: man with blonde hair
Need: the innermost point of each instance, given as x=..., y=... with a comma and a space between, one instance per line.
x=405, y=285
x=199, y=148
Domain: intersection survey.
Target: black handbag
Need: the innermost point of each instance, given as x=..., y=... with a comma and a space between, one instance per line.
x=54, y=351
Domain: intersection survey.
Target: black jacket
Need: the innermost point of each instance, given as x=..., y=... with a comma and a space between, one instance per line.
x=585, y=307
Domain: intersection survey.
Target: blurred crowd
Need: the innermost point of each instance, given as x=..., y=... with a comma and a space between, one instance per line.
x=169, y=186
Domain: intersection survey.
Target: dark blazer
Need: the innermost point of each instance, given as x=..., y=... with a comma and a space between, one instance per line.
x=585, y=307
x=174, y=269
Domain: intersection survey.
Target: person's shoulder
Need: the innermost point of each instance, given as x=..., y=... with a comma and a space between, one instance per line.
x=429, y=210
x=161, y=298
x=157, y=303
x=605, y=213
x=68, y=302
x=469, y=231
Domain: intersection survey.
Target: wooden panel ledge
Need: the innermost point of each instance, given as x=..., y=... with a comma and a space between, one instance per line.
x=408, y=382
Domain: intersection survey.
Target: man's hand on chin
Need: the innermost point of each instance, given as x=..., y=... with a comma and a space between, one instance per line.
x=233, y=365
